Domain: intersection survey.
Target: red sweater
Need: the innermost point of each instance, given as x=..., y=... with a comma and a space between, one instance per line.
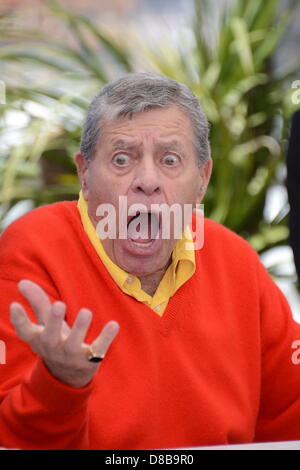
x=215, y=369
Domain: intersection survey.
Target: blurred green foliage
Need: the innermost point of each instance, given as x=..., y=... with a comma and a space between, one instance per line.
x=229, y=66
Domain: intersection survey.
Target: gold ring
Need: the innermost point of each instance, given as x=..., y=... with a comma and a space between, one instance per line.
x=93, y=357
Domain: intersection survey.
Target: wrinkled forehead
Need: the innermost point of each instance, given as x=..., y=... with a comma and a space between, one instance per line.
x=168, y=126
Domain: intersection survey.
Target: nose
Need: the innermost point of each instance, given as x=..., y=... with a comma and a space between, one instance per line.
x=146, y=179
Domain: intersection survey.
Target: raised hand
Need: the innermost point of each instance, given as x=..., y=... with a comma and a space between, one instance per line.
x=62, y=348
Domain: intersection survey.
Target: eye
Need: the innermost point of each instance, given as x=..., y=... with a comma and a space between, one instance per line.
x=170, y=159
x=121, y=159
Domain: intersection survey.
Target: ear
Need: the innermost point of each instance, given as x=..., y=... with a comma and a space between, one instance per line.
x=82, y=166
x=205, y=174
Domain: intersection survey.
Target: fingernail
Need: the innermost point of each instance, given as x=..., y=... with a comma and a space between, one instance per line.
x=113, y=325
x=84, y=316
x=22, y=285
x=15, y=314
x=59, y=309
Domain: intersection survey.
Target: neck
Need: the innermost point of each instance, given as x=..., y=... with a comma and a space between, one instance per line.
x=150, y=282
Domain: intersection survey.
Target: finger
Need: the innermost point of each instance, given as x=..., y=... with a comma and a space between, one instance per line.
x=25, y=329
x=52, y=333
x=78, y=332
x=102, y=343
x=37, y=298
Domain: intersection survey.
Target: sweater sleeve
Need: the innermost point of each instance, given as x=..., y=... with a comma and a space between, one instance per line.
x=36, y=410
x=279, y=415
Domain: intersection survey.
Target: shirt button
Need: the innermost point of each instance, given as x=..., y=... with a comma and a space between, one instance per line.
x=129, y=280
x=157, y=308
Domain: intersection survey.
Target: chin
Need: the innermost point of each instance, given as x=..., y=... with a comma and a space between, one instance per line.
x=140, y=268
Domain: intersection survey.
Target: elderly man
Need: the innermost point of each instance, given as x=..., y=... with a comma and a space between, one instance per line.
x=198, y=344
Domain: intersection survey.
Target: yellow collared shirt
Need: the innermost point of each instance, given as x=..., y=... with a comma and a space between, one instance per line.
x=180, y=270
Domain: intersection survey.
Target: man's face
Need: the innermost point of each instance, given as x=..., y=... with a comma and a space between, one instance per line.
x=150, y=159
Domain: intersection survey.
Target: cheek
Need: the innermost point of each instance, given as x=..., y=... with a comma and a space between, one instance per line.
x=186, y=193
x=97, y=183
x=194, y=187
x=105, y=190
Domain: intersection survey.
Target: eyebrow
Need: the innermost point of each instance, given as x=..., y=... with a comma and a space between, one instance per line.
x=171, y=145
x=122, y=144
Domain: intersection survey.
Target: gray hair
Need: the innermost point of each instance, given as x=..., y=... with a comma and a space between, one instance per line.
x=137, y=92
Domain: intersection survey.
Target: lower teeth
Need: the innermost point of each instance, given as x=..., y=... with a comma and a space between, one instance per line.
x=143, y=245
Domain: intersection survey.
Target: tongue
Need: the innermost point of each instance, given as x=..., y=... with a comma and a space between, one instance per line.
x=143, y=227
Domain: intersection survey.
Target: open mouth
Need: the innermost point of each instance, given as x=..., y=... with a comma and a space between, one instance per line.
x=143, y=228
